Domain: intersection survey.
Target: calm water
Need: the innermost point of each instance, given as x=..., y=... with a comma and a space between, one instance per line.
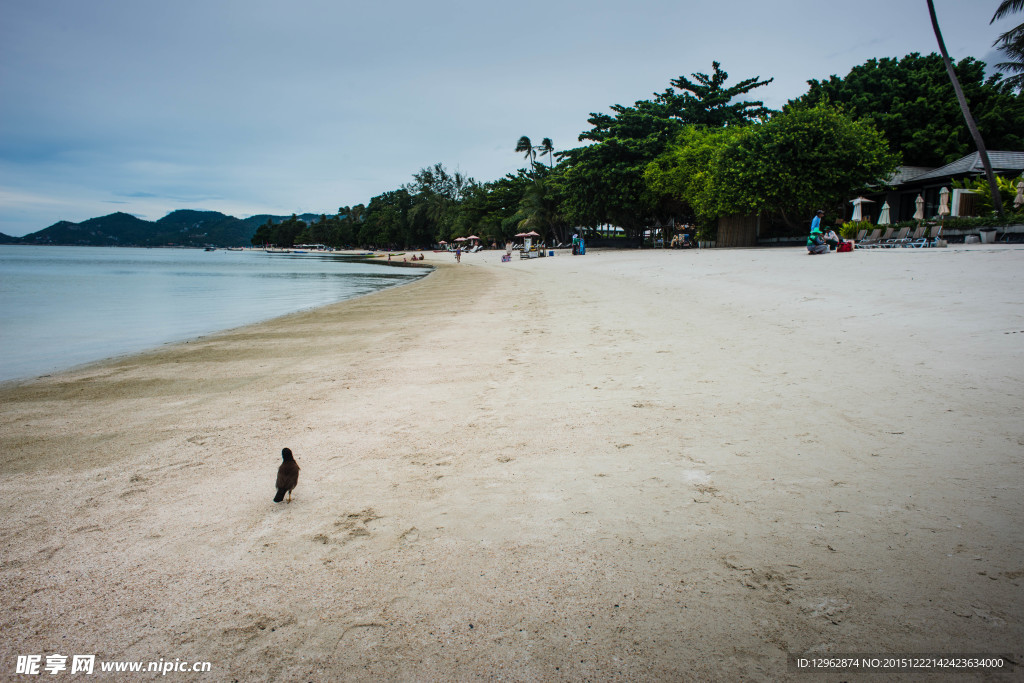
x=63, y=306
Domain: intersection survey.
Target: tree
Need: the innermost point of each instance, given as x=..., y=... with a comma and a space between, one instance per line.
x=801, y=158
x=526, y=146
x=540, y=210
x=491, y=210
x=604, y=183
x=436, y=194
x=708, y=103
x=971, y=124
x=912, y=101
x=547, y=147
x=1011, y=43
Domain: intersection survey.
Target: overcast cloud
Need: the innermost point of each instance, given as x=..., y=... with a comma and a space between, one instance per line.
x=257, y=106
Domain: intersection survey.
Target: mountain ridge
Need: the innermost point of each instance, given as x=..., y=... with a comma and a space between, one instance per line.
x=179, y=228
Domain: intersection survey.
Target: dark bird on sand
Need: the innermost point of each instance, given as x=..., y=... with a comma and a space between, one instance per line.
x=287, y=476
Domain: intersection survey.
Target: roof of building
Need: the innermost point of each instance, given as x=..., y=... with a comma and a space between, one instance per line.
x=905, y=173
x=1001, y=161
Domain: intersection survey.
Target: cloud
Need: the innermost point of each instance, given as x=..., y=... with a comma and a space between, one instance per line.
x=262, y=106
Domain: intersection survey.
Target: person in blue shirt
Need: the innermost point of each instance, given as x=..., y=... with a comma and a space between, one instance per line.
x=816, y=222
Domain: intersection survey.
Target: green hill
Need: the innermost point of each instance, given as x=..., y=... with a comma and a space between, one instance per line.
x=185, y=228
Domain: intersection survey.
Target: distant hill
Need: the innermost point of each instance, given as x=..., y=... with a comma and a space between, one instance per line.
x=185, y=227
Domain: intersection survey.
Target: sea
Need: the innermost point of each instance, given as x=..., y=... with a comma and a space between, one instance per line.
x=64, y=306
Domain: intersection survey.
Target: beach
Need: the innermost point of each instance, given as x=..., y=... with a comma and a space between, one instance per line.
x=629, y=465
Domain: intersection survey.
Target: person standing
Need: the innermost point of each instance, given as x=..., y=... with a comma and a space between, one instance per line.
x=458, y=254
x=816, y=221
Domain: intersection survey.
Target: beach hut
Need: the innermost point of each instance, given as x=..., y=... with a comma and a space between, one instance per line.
x=529, y=249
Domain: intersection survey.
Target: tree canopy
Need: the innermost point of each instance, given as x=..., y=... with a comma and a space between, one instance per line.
x=603, y=182
x=913, y=103
x=700, y=148
x=803, y=157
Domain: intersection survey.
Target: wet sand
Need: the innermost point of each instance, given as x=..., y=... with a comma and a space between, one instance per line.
x=627, y=465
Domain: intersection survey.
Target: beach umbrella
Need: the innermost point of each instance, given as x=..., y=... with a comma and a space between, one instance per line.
x=533, y=234
x=460, y=239
x=522, y=234
x=944, y=202
x=883, y=218
x=472, y=237
x=857, y=210
x=919, y=214
x=1018, y=201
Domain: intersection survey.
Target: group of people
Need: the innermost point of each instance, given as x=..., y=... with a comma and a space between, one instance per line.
x=821, y=242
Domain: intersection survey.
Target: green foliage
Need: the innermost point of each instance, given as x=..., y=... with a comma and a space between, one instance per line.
x=284, y=234
x=801, y=158
x=603, y=182
x=1011, y=44
x=707, y=102
x=850, y=229
x=913, y=103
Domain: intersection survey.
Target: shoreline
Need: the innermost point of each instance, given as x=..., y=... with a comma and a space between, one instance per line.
x=637, y=465
x=113, y=347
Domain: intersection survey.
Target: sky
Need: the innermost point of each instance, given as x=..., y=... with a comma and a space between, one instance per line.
x=294, y=106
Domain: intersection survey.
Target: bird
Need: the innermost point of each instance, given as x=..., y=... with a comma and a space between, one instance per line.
x=287, y=476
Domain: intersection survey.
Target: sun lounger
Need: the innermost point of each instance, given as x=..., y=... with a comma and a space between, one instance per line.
x=918, y=234
x=896, y=241
x=886, y=236
x=860, y=235
x=870, y=241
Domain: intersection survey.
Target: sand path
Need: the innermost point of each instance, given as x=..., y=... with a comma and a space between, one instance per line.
x=634, y=465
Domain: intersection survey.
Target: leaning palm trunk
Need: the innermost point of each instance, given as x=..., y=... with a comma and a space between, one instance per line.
x=997, y=200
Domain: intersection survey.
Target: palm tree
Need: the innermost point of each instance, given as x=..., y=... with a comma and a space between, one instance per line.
x=524, y=145
x=972, y=125
x=1011, y=43
x=547, y=147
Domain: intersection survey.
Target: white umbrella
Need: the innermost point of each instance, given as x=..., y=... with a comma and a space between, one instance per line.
x=1018, y=201
x=944, y=202
x=857, y=211
x=883, y=218
x=919, y=214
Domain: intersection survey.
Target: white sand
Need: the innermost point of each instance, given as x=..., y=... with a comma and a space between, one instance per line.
x=634, y=465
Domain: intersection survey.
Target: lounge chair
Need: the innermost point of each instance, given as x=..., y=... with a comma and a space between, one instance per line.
x=896, y=241
x=869, y=242
x=884, y=238
x=918, y=234
x=923, y=240
x=860, y=235
x=936, y=236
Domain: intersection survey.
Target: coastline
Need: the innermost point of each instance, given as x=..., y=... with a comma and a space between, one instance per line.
x=56, y=295
x=624, y=465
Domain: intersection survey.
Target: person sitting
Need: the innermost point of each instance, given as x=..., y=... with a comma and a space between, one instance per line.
x=831, y=239
x=815, y=243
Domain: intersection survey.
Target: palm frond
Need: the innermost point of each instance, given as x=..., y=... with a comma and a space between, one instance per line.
x=1007, y=7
